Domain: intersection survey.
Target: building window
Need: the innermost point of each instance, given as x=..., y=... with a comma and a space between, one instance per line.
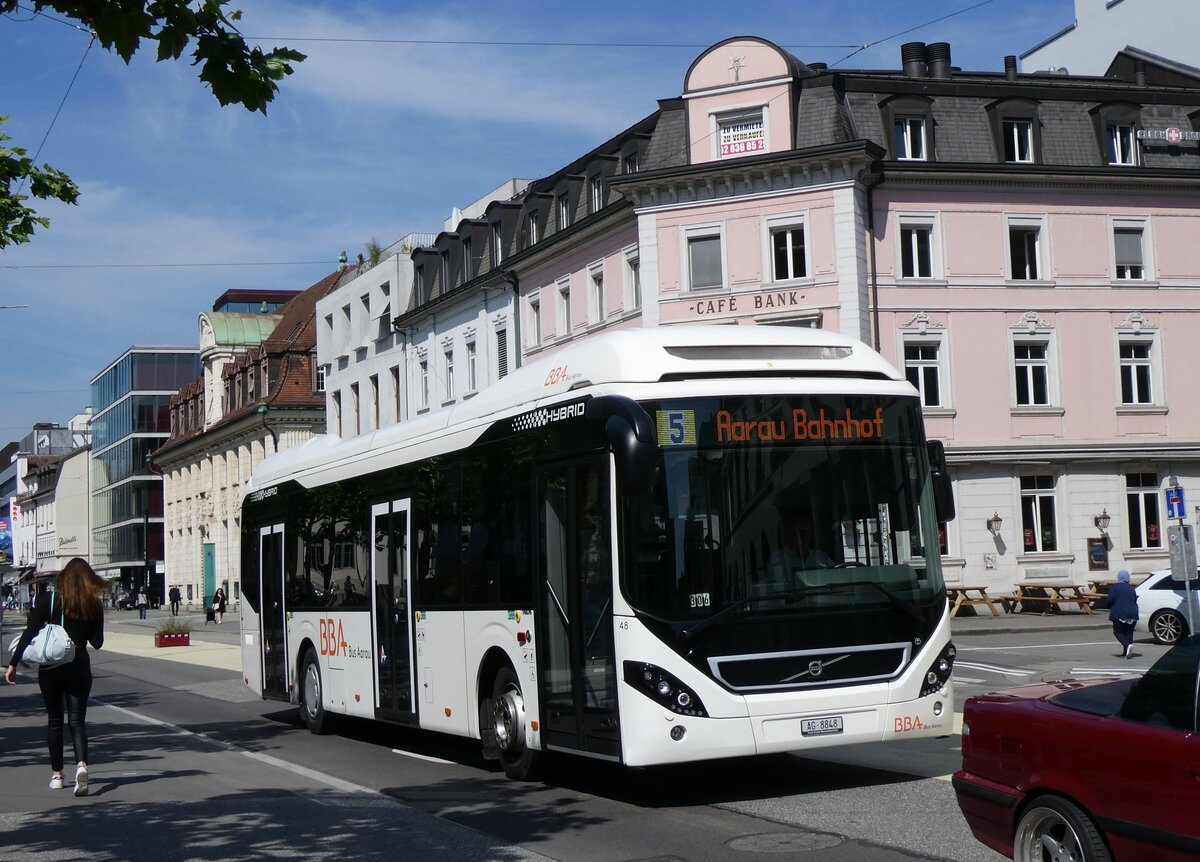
x=1038, y=527
x=633, y=281
x=374, y=381
x=1136, y=372
x=1127, y=251
x=423, y=367
x=564, y=212
x=445, y=271
x=472, y=372
x=1031, y=362
x=788, y=253
x=704, y=262
x=337, y=414
x=1121, y=142
x=909, y=138
x=562, y=310
x=922, y=367
x=531, y=229
x=468, y=263
x=501, y=353
x=1024, y=248
x=535, y=322
x=1018, y=140
x=398, y=412
x=916, y=251
x=322, y=374
x=448, y=355
x=497, y=247
x=596, y=193
x=354, y=404
x=1141, y=495
x=741, y=134
x=631, y=163
x=596, y=301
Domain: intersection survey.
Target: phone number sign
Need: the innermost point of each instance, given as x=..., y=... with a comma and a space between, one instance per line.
x=748, y=136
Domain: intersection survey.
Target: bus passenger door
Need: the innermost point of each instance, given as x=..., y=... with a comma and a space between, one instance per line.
x=274, y=623
x=578, y=665
x=391, y=585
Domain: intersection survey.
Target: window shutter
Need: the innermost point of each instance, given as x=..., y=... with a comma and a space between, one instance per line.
x=501, y=352
x=1128, y=247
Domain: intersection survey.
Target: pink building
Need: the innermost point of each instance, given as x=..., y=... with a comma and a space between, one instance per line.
x=1023, y=245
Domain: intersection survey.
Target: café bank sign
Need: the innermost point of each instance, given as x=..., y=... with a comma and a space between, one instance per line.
x=1167, y=136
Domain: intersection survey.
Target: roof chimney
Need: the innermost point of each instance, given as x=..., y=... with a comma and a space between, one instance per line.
x=912, y=56
x=938, y=55
x=1139, y=72
x=1010, y=67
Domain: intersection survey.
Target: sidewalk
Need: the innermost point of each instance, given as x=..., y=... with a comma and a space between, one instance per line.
x=981, y=622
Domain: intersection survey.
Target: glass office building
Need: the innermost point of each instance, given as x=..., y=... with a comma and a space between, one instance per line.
x=131, y=418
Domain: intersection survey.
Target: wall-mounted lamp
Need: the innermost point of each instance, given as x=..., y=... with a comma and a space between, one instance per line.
x=1102, y=520
x=994, y=523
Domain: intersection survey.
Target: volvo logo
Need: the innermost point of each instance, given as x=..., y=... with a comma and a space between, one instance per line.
x=816, y=667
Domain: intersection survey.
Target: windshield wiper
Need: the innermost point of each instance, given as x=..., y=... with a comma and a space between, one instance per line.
x=786, y=595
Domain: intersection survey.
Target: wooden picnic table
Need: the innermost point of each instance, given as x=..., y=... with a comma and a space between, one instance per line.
x=960, y=595
x=1051, y=596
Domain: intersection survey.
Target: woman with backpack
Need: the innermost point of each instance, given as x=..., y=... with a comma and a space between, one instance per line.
x=75, y=605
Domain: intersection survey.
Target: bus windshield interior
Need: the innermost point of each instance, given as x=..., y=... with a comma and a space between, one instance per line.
x=764, y=506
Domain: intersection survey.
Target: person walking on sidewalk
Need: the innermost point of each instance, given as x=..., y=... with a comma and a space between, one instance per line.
x=76, y=602
x=1123, y=612
x=176, y=598
x=219, y=603
x=143, y=602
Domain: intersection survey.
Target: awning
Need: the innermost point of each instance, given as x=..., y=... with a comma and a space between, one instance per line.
x=19, y=575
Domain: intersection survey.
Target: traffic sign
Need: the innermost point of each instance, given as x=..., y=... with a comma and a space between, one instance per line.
x=1175, y=502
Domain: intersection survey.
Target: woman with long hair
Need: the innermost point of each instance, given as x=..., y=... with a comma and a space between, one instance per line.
x=76, y=605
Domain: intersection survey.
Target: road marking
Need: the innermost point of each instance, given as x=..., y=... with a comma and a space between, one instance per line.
x=993, y=668
x=968, y=679
x=1106, y=671
x=303, y=771
x=422, y=756
x=962, y=649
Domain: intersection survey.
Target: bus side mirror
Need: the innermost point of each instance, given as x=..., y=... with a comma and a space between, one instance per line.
x=943, y=490
x=632, y=437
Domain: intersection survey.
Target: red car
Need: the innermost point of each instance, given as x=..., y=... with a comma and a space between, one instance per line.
x=1098, y=770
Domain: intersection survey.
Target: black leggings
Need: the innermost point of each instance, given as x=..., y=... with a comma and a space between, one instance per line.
x=67, y=686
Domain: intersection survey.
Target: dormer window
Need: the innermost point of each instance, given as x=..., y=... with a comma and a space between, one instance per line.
x=1018, y=140
x=532, y=234
x=1122, y=144
x=596, y=193
x=1016, y=130
x=909, y=138
x=564, y=212
x=741, y=134
x=1116, y=125
x=497, y=245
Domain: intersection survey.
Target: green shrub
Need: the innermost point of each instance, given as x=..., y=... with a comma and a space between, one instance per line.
x=173, y=626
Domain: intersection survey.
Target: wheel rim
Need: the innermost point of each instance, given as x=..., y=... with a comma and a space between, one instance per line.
x=509, y=721
x=312, y=690
x=1045, y=836
x=1168, y=627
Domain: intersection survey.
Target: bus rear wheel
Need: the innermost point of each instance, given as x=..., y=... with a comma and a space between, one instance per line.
x=312, y=706
x=508, y=721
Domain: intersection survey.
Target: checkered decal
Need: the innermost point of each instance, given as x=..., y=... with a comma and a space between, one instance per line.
x=544, y=416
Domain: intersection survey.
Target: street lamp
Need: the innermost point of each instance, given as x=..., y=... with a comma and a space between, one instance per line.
x=994, y=523
x=1102, y=520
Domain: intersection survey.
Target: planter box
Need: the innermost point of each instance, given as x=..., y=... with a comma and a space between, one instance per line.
x=172, y=639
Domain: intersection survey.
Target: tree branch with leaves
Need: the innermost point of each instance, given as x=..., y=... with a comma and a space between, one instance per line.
x=232, y=69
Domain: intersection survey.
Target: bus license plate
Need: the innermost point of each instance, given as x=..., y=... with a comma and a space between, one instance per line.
x=820, y=726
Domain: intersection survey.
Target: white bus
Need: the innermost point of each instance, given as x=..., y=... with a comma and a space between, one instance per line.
x=656, y=546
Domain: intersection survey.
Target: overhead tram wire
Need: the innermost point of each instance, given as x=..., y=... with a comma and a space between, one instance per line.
x=163, y=265
x=860, y=48
x=499, y=43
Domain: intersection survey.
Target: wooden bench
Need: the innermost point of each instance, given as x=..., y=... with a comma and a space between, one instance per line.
x=1051, y=597
x=960, y=595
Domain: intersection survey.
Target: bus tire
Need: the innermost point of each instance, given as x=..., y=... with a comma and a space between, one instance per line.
x=312, y=706
x=520, y=762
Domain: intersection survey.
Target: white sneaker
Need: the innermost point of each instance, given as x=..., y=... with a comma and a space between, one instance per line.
x=56, y=782
x=81, y=782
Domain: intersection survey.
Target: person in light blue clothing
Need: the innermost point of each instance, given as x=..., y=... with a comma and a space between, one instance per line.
x=1123, y=612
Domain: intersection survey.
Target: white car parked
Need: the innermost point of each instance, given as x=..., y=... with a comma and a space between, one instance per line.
x=1162, y=606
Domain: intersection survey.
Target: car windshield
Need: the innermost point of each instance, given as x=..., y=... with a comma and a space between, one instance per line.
x=775, y=504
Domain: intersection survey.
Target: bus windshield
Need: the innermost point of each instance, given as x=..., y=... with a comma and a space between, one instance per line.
x=766, y=506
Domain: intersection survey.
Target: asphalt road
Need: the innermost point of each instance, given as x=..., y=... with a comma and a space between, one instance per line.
x=187, y=764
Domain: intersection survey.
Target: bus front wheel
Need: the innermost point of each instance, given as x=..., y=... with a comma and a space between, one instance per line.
x=508, y=721
x=312, y=705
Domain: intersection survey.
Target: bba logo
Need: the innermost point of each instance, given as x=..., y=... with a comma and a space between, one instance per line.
x=907, y=723
x=333, y=640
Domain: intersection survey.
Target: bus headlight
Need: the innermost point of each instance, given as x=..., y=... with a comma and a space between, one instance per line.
x=939, y=672
x=664, y=689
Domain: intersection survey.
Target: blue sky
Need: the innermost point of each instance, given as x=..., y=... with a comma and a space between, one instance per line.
x=182, y=199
